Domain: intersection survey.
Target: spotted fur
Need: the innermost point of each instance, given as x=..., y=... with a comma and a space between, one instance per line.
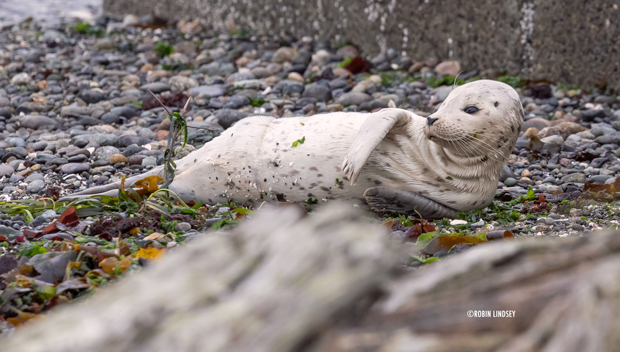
x=255, y=160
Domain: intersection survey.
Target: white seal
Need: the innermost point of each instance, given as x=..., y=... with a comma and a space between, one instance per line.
x=392, y=160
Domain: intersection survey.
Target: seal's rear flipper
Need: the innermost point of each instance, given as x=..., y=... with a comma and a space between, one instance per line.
x=111, y=188
x=405, y=202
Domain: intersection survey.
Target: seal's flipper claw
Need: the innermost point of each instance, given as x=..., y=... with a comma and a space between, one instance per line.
x=405, y=202
x=349, y=169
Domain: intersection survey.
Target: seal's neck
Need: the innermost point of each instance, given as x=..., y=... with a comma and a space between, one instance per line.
x=478, y=167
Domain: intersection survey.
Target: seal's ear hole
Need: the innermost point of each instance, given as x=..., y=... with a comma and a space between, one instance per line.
x=471, y=110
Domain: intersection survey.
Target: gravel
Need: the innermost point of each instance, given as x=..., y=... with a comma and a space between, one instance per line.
x=83, y=116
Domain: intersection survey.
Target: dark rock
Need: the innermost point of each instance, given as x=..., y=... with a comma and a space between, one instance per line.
x=88, y=121
x=80, y=143
x=6, y=113
x=80, y=158
x=134, y=149
x=20, y=152
x=318, y=90
x=38, y=146
x=8, y=262
x=590, y=115
x=74, y=168
x=288, y=87
x=92, y=96
x=135, y=160
x=212, y=91
x=15, y=178
x=236, y=102
x=35, y=186
x=37, y=122
x=110, y=118
x=125, y=111
x=304, y=102
x=506, y=172
x=226, y=117
x=608, y=138
x=126, y=141
x=537, y=122
x=156, y=87
x=353, y=98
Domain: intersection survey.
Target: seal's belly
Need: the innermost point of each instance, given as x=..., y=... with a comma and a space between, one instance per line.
x=311, y=169
x=255, y=160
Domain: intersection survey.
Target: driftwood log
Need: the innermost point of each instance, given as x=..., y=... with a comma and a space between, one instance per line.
x=565, y=293
x=267, y=286
x=328, y=282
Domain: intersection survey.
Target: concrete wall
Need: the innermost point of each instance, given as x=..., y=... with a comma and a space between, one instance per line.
x=569, y=41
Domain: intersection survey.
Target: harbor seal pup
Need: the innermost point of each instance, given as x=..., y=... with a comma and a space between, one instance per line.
x=392, y=160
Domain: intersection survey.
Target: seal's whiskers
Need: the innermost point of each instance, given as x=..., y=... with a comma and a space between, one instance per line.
x=488, y=147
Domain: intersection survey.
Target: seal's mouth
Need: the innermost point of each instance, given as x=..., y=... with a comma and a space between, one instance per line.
x=432, y=135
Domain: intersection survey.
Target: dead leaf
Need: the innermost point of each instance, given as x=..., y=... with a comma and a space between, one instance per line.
x=150, y=253
x=96, y=272
x=539, y=205
x=95, y=252
x=21, y=318
x=445, y=242
x=148, y=184
x=26, y=270
x=59, y=236
x=68, y=218
x=155, y=236
x=611, y=188
x=416, y=230
x=110, y=264
x=52, y=265
x=28, y=233
x=42, y=84
x=134, y=231
x=73, y=284
x=124, y=248
x=500, y=235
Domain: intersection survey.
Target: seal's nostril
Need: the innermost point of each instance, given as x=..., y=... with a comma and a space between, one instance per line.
x=431, y=120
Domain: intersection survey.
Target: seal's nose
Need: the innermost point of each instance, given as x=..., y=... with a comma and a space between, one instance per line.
x=431, y=120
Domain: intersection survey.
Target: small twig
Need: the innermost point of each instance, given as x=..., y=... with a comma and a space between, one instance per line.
x=162, y=104
x=186, y=104
x=420, y=215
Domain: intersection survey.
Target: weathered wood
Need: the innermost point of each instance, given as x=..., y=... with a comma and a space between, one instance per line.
x=565, y=294
x=286, y=283
x=266, y=286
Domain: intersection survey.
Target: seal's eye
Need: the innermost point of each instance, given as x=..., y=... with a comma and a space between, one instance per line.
x=471, y=110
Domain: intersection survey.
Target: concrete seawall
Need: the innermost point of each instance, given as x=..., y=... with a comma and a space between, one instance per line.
x=573, y=42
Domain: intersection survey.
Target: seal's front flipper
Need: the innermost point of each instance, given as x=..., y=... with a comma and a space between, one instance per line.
x=405, y=202
x=372, y=132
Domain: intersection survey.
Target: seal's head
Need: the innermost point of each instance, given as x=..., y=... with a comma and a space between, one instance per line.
x=481, y=119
